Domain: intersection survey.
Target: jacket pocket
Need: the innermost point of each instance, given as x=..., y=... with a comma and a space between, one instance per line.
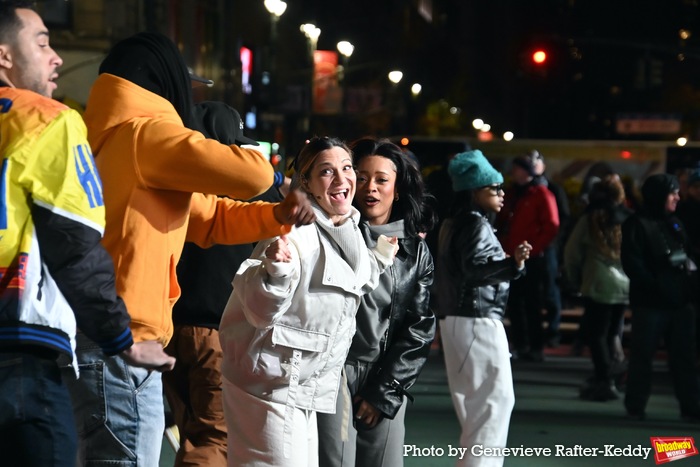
x=302, y=339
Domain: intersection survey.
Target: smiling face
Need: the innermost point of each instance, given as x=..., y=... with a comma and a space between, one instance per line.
x=29, y=62
x=331, y=181
x=672, y=202
x=376, y=189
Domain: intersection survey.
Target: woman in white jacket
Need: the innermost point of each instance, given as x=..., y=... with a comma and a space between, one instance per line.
x=288, y=325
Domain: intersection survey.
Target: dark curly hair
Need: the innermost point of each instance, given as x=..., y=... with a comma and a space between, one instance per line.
x=413, y=205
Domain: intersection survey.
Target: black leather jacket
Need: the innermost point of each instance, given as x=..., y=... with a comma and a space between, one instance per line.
x=406, y=343
x=473, y=275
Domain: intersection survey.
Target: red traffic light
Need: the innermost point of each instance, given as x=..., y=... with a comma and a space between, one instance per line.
x=539, y=57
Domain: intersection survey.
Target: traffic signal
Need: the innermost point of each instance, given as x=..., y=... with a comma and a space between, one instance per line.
x=539, y=57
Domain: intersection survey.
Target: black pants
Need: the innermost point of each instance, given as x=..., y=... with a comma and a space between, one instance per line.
x=603, y=324
x=677, y=327
x=525, y=307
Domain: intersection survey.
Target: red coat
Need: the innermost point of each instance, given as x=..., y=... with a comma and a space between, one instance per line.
x=530, y=215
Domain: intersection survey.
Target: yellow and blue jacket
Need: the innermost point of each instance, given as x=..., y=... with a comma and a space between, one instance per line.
x=54, y=273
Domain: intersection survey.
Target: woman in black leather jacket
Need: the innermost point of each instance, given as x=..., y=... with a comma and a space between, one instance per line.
x=395, y=326
x=472, y=279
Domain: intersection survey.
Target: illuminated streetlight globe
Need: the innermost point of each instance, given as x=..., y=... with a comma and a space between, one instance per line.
x=345, y=48
x=477, y=123
x=485, y=127
x=508, y=136
x=310, y=31
x=395, y=76
x=416, y=89
x=682, y=141
x=276, y=7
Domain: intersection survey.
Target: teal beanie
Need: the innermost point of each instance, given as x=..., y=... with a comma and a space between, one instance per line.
x=470, y=170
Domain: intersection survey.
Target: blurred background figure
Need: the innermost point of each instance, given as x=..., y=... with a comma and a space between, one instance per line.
x=593, y=266
x=689, y=213
x=529, y=214
x=554, y=252
x=657, y=257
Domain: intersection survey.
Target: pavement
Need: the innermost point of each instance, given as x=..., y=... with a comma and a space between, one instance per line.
x=548, y=415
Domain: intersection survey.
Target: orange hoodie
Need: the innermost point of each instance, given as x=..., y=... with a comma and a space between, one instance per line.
x=153, y=172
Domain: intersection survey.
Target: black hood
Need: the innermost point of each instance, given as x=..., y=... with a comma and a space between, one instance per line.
x=153, y=62
x=655, y=191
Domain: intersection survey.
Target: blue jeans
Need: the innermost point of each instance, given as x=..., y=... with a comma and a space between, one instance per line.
x=552, y=294
x=118, y=410
x=36, y=420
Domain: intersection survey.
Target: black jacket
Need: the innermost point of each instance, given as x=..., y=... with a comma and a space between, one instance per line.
x=205, y=277
x=411, y=330
x=654, y=245
x=473, y=275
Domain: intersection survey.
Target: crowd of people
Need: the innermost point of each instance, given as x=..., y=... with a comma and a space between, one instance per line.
x=145, y=253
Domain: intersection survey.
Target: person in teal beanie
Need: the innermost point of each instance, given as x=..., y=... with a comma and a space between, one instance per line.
x=472, y=280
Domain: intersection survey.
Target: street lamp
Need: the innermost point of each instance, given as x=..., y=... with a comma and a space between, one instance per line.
x=395, y=76
x=345, y=49
x=311, y=32
x=276, y=8
x=416, y=89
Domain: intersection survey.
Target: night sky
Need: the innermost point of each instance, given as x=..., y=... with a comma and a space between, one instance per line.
x=605, y=57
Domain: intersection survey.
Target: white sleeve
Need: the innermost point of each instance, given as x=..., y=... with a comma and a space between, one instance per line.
x=265, y=288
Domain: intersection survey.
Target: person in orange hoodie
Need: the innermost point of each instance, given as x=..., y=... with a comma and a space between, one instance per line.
x=154, y=170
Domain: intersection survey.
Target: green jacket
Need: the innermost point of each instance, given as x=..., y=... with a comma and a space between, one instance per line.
x=594, y=275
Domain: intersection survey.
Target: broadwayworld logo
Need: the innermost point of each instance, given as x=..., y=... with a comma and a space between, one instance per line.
x=667, y=449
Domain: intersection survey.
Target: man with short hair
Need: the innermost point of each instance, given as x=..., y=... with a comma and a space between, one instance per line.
x=54, y=274
x=529, y=214
x=554, y=252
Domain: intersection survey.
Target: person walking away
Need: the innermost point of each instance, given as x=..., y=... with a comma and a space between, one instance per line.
x=472, y=283
x=657, y=257
x=395, y=325
x=54, y=274
x=593, y=266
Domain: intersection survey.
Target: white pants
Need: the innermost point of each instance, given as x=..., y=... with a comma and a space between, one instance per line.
x=256, y=432
x=477, y=360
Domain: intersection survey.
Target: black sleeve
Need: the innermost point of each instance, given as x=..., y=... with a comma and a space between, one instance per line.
x=474, y=245
x=635, y=253
x=399, y=368
x=84, y=272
